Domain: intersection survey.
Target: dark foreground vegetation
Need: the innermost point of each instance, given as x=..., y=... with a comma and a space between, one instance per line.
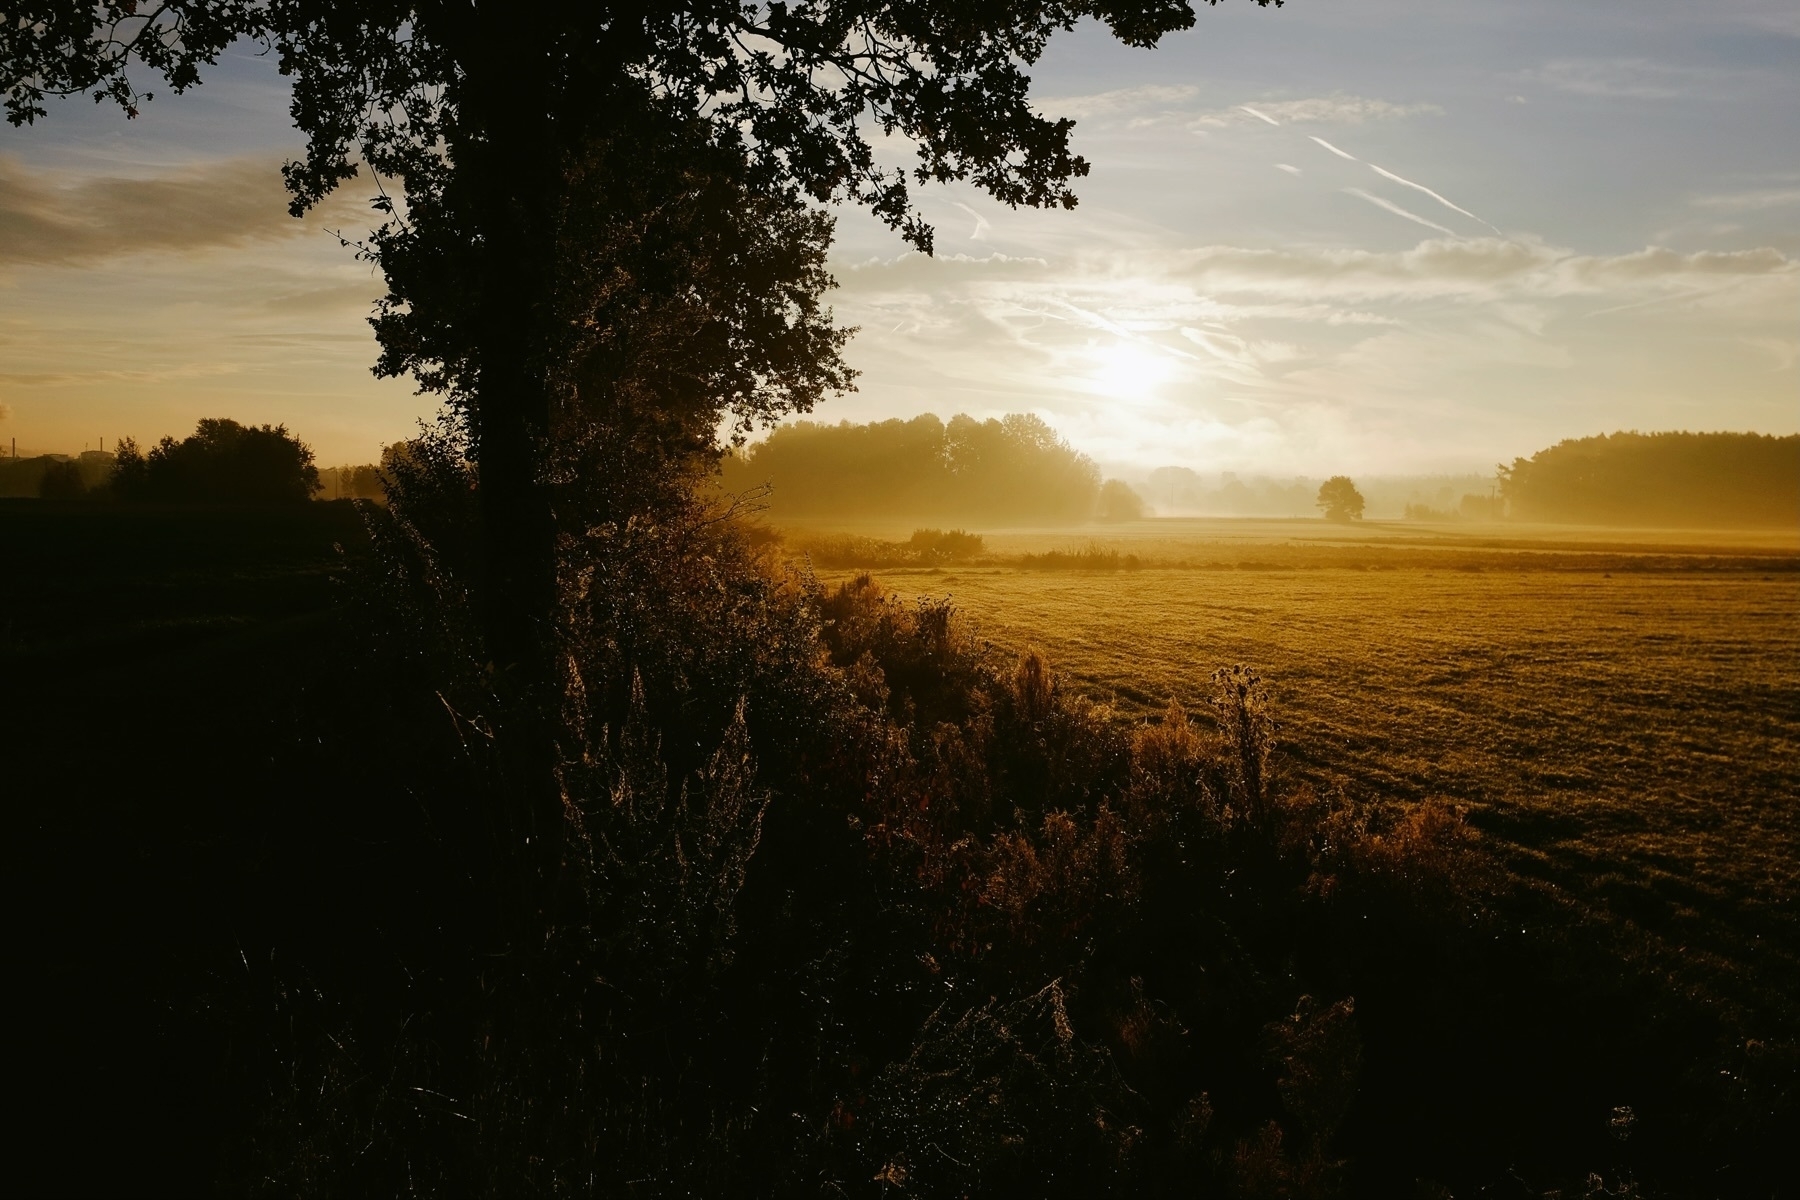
x=855, y=908
x=578, y=849
x=220, y=463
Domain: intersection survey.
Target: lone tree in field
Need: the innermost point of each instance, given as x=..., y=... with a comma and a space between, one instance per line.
x=606, y=237
x=1339, y=500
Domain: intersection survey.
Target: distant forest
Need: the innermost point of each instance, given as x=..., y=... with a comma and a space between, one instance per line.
x=221, y=462
x=1670, y=479
x=1012, y=471
x=25, y=476
x=1184, y=492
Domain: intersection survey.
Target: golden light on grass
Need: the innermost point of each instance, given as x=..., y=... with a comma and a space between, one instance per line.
x=1611, y=712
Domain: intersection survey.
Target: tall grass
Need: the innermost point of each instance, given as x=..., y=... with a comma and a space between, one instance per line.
x=847, y=903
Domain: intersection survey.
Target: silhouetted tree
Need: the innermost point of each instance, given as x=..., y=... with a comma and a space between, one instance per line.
x=494, y=119
x=130, y=469
x=1339, y=500
x=607, y=233
x=62, y=481
x=222, y=462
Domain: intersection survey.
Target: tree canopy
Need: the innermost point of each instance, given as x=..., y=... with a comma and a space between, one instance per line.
x=801, y=85
x=1339, y=500
x=1119, y=501
x=221, y=462
x=603, y=230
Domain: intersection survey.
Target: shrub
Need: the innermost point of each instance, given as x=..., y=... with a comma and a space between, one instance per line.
x=846, y=901
x=62, y=481
x=937, y=545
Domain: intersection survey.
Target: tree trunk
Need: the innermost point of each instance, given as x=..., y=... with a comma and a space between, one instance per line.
x=516, y=178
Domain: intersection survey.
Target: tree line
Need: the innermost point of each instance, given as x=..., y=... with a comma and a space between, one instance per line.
x=1015, y=470
x=1670, y=479
x=221, y=462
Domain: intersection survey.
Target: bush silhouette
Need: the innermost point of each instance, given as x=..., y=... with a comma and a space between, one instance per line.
x=62, y=481
x=939, y=545
x=222, y=462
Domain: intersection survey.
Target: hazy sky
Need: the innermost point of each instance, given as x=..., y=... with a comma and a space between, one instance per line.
x=1362, y=235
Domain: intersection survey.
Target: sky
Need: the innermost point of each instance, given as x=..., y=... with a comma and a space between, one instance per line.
x=1378, y=236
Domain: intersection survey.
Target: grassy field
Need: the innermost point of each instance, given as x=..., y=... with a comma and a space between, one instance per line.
x=194, y=787
x=1620, y=713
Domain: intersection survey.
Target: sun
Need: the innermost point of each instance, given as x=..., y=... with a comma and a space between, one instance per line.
x=1127, y=370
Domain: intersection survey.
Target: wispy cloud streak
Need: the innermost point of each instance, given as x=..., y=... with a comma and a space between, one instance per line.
x=1387, y=174
x=1378, y=202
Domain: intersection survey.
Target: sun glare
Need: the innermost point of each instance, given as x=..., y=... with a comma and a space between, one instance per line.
x=1127, y=370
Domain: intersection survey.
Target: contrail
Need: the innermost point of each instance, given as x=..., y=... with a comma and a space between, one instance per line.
x=981, y=222
x=1259, y=116
x=1378, y=202
x=1334, y=149
x=1386, y=174
x=1289, y=168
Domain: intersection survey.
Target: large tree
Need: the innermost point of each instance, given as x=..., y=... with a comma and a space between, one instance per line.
x=605, y=211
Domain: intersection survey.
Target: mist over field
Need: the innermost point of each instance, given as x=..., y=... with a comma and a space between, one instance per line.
x=1018, y=471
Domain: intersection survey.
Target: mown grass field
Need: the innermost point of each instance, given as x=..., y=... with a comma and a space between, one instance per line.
x=1620, y=714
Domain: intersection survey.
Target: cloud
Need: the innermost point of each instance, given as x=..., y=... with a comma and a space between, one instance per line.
x=1784, y=351
x=332, y=299
x=1288, y=167
x=1659, y=262
x=1121, y=100
x=1472, y=269
x=1450, y=332
x=912, y=269
x=1334, y=149
x=60, y=219
x=1336, y=109
x=1167, y=101
x=1782, y=19
x=1750, y=201
x=1625, y=78
x=5, y=412
x=178, y=371
x=1390, y=206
